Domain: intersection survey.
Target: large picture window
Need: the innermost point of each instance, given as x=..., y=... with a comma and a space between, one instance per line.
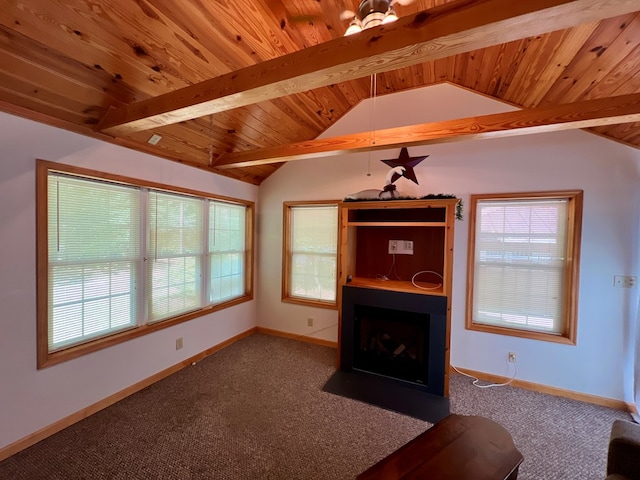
x=310, y=253
x=523, y=264
x=118, y=258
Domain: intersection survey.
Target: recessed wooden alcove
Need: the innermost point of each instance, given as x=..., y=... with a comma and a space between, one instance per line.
x=367, y=227
x=377, y=289
x=365, y=261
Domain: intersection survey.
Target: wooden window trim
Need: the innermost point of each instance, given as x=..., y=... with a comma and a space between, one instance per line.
x=286, y=256
x=46, y=358
x=569, y=332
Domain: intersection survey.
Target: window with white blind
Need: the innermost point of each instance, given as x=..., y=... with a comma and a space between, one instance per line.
x=175, y=254
x=227, y=251
x=310, y=253
x=118, y=258
x=523, y=264
x=94, y=259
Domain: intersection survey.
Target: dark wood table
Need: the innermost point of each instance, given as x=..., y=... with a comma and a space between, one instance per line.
x=456, y=448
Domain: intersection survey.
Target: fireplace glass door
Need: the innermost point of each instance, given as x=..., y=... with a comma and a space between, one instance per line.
x=391, y=343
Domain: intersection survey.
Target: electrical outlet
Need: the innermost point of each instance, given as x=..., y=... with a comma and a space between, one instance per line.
x=178, y=343
x=624, y=281
x=310, y=322
x=511, y=356
x=401, y=247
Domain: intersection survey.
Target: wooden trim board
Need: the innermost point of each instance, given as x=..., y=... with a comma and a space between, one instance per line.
x=568, y=116
x=558, y=392
x=63, y=423
x=295, y=336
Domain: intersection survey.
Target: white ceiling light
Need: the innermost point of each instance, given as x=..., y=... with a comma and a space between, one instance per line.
x=371, y=13
x=154, y=139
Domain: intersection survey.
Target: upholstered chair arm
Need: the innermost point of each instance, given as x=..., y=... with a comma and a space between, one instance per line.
x=624, y=450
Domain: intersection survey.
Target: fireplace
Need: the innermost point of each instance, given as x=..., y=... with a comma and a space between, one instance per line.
x=391, y=343
x=392, y=351
x=398, y=335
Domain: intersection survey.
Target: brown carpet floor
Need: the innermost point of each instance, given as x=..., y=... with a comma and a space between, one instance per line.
x=256, y=410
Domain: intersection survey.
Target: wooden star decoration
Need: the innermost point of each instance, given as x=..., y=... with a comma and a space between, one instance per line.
x=406, y=162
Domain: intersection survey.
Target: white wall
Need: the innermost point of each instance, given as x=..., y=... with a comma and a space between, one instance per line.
x=31, y=399
x=607, y=172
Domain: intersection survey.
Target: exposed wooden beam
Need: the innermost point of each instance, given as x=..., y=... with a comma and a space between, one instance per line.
x=589, y=113
x=440, y=32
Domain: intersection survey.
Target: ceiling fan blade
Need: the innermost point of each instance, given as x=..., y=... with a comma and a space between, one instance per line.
x=402, y=2
x=347, y=15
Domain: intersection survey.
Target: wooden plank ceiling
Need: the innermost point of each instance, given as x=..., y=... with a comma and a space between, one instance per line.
x=69, y=62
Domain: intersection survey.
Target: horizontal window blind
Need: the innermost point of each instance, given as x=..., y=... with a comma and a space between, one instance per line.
x=227, y=248
x=115, y=255
x=175, y=250
x=520, y=256
x=93, y=252
x=314, y=247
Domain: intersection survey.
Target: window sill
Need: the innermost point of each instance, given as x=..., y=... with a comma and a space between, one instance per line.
x=310, y=302
x=514, y=332
x=48, y=359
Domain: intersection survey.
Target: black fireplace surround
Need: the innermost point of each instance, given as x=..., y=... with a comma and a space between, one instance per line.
x=397, y=335
x=392, y=351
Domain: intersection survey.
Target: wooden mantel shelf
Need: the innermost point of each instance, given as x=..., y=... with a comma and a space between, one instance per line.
x=397, y=224
x=398, y=286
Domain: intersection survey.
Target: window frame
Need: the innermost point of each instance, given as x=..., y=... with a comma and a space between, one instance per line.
x=287, y=254
x=571, y=267
x=212, y=252
x=144, y=325
x=154, y=260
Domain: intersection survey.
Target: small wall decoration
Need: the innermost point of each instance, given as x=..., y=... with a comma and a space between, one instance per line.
x=400, y=167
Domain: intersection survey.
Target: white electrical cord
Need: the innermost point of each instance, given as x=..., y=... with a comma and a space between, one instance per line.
x=476, y=380
x=380, y=276
x=413, y=280
x=393, y=268
x=310, y=334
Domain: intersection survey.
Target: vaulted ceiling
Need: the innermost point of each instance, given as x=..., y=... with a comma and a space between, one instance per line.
x=236, y=87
